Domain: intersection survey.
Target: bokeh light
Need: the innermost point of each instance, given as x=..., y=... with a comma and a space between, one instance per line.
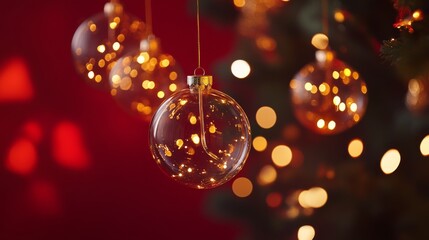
x=355, y=148
x=240, y=69
x=260, y=143
x=15, y=81
x=339, y=16
x=320, y=41
x=424, y=146
x=69, y=149
x=239, y=3
x=274, y=199
x=306, y=232
x=266, y=117
x=281, y=155
x=267, y=175
x=22, y=157
x=390, y=161
x=315, y=197
x=242, y=187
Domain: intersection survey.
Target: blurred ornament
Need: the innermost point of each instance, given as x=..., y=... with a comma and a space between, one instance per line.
x=200, y=136
x=100, y=40
x=328, y=95
x=254, y=21
x=142, y=79
x=254, y=24
x=406, y=22
x=417, y=99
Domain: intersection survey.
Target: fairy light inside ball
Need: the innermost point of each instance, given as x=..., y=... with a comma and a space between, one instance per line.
x=199, y=136
x=102, y=39
x=328, y=96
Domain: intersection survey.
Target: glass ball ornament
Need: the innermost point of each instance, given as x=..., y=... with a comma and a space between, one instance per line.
x=101, y=39
x=328, y=96
x=417, y=98
x=142, y=79
x=199, y=136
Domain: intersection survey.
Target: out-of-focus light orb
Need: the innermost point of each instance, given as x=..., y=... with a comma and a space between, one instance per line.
x=22, y=157
x=355, y=148
x=320, y=41
x=201, y=129
x=239, y=3
x=306, y=232
x=424, y=146
x=281, y=155
x=339, y=16
x=274, y=199
x=240, y=69
x=102, y=39
x=266, y=43
x=328, y=96
x=267, y=175
x=315, y=197
x=266, y=117
x=390, y=161
x=143, y=78
x=242, y=187
x=260, y=143
x=417, y=98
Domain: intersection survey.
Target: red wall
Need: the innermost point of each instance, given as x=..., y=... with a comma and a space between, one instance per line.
x=73, y=165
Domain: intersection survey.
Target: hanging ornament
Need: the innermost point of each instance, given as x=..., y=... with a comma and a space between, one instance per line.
x=328, y=96
x=417, y=99
x=101, y=39
x=200, y=137
x=143, y=78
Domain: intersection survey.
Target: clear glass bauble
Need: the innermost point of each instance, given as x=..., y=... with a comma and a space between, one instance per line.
x=142, y=79
x=101, y=39
x=200, y=154
x=328, y=96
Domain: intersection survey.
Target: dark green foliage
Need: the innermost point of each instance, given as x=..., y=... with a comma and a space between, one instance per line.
x=363, y=202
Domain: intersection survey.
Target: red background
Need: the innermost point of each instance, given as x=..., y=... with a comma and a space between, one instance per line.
x=74, y=165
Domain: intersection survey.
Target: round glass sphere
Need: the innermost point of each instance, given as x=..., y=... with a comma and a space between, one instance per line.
x=200, y=137
x=142, y=79
x=417, y=99
x=101, y=39
x=328, y=96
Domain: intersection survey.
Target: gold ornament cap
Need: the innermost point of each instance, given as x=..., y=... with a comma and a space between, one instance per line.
x=200, y=81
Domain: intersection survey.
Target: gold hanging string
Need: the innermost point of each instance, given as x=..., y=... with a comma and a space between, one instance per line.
x=325, y=17
x=148, y=13
x=198, y=42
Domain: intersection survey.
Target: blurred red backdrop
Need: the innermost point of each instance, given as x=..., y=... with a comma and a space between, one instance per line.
x=73, y=164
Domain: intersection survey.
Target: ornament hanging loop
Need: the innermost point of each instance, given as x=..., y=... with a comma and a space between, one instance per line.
x=199, y=71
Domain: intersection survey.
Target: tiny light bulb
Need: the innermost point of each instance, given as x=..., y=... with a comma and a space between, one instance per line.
x=202, y=129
